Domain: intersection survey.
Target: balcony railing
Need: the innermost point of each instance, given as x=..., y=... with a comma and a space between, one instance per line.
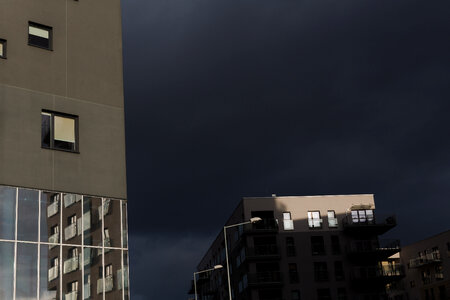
x=71, y=296
x=378, y=272
x=125, y=278
x=267, y=277
x=263, y=251
x=365, y=246
x=52, y=209
x=70, y=231
x=53, y=273
x=377, y=224
x=70, y=199
x=109, y=284
x=265, y=225
x=54, y=238
x=71, y=265
x=429, y=258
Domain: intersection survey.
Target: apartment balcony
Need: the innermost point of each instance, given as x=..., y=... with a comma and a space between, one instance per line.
x=54, y=238
x=70, y=231
x=70, y=265
x=425, y=260
x=365, y=250
x=376, y=275
x=264, y=279
x=52, y=209
x=109, y=284
x=53, y=273
x=263, y=252
x=71, y=296
x=375, y=225
x=262, y=227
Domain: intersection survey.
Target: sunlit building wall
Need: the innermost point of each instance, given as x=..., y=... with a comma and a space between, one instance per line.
x=63, y=198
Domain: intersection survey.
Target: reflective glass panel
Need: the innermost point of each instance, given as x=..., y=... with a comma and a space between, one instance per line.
x=48, y=283
x=111, y=211
x=124, y=225
x=28, y=213
x=50, y=217
x=93, y=273
x=72, y=273
x=92, y=221
x=71, y=219
x=7, y=212
x=27, y=260
x=126, y=274
x=6, y=270
x=113, y=278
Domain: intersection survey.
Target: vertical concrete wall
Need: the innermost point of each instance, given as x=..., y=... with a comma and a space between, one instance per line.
x=81, y=75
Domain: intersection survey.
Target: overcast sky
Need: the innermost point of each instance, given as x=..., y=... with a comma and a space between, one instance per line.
x=233, y=98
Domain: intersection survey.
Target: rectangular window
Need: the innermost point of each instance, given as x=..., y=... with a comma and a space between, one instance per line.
x=290, y=247
x=59, y=131
x=2, y=48
x=314, y=220
x=317, y=245
x=109, y=271
x=293, y=273
x=363, y=216
x=39, y=35
x=320, y=271
x=287, y=221
x=332, y=220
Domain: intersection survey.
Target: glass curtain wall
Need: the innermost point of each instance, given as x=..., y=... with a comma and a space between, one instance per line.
x=60, y=246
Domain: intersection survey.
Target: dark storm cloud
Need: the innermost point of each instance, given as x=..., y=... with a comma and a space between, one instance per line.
x=232, y=98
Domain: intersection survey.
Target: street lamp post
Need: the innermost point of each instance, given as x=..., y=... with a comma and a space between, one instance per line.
x=251, y=221
x=195, y=277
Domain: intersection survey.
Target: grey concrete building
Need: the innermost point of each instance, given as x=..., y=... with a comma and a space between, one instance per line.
x=305, y=247
x=427, y=270
x=63, y=196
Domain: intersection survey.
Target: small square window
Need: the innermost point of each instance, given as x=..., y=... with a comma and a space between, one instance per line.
x=59, y=131
x=39, y=35
x=2, y=48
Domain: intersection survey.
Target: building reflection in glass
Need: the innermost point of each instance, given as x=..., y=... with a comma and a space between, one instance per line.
x=69, y=246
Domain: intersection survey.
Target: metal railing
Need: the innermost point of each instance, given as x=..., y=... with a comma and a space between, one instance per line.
x=109, y=284
x=426, y=259
x=361, y=246
x=52, y=209
x=70, y=231
x=377, y=219
x=70, y=265
x=53, y=273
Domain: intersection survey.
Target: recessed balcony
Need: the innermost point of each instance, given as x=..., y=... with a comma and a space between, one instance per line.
x=372, y=249
x=373, y=225
x=376, y=275
x=263, y=226
x=268, y=278
x=425, y=260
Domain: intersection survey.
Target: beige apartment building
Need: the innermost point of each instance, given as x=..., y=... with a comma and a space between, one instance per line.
x=63, y=196
x=427, y=270
x=305, y=247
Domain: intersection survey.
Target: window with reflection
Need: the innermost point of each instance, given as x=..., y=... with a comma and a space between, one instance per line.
x=6, y=270
x=28, y=214
x=7, y=213
x=47, y=289
x=92, y=223
x=26, y=273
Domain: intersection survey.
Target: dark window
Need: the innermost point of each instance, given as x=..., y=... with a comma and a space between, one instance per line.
x=2, y=48
x=323, y=294
x=335, y=244
x=442, y=293
x=39, y=35
x=317, y=245
x=59, y=131
x=341, y=294
x=293, y=273
x=320, y=271
x=339, y=270
x=290, y=247
x=295, y=295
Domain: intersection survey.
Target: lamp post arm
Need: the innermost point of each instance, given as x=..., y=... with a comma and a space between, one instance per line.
x=239, y=224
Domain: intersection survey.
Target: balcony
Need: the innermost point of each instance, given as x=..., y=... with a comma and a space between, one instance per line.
x=53, y=273
x=375, y=225
x=71, y=296
x=70, y=265
x=268, y=278
x=425, y=260
x=70, y=231
x=260, y=252
x=263, y=226
x=109, y=284
x=52, y=209
x=376, y=275
x=125, y=278
x=372, y=249
x=54, y=238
